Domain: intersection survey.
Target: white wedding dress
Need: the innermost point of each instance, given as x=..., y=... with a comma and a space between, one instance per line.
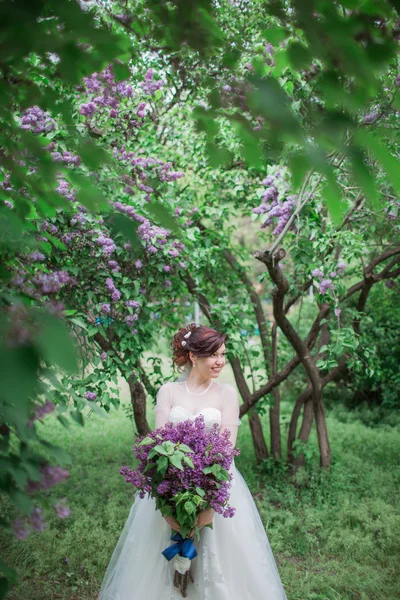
x=234, y=560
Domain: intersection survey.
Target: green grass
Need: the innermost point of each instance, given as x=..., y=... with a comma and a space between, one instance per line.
x=335, y=535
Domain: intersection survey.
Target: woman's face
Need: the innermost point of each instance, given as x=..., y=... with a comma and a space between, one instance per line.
x=210, y=366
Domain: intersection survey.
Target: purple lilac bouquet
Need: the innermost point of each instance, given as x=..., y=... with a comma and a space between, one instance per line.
x=185, y=468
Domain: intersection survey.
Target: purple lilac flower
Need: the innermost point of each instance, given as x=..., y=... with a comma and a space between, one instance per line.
x=106, y=308
x=62, y=510
x=37, y=520
x=37, y=120
x=114, y=266
x=149, y=86
x=90, y=395
x=107, y=243
x=116, y=295
x=20, y=529
x=67, y=158
x=325, y=285
x=103, y=356
x=130, y=320
x=64, y=190
x=259, y=124
x=49, y=476
x=138, y=264
x=36, y=257
x=371, y=117
x=88, y=110
x=317, y=273
x=141, y=111
x=166, y=268
x=41, y=411
x=337, y=312
x=341, y=266
x=132, y=303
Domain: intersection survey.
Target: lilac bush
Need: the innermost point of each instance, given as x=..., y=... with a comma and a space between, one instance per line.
x=276, y=204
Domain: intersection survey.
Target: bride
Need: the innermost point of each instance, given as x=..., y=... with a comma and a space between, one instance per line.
x=234, y=560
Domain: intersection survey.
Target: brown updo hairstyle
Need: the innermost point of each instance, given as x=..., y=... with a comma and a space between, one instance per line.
x=203, y=341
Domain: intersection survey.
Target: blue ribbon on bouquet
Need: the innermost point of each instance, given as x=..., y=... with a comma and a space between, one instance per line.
x=183, y=547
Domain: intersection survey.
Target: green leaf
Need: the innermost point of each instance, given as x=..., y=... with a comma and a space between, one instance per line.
x=93, y=156
x=185, y=448
x=161, y=450
x=8, y=571
x=22, y=501
x=299, y=55
x=128, y=228
x=162, y=214
x=4, y=585
x=176, y=462
x=60, y=455
x=80, y=322
x=147, y=441
x=162, y=464
x=55, y=343
x=363, y=176
x=78, y=417
x=383, y=156
x=189, y=507
x=121, y=71
x=275, y=35
x=188, y=461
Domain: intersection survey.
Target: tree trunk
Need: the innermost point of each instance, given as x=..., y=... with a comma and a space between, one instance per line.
x=138, y=400
x=260, y=447
x=292, y=433
x=274, y=424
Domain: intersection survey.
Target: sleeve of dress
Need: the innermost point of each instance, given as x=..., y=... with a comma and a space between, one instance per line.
x=163, y=405
x=230, y=412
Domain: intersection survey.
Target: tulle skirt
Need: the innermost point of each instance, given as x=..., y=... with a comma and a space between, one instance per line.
x=234, y=559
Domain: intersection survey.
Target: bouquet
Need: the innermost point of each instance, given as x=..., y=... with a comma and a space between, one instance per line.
x=185, y=468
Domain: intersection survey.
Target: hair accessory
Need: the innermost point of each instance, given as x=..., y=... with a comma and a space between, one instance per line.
x=184, y=343
x=187, y=335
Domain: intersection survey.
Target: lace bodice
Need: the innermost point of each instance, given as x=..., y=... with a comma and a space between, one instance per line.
x=219, y=404
x=211, y=415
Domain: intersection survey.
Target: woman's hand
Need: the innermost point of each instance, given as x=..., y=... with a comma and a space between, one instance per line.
x=205, y=517
x=173, y=523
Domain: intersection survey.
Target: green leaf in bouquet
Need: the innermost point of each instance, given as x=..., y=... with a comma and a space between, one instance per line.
x=198, y=500
x=223, y=474
x=162, y=465
x=152, y=453
x=200, y=492
x=161, y=450
x=148, y=467
x=188, y=461
x=185, y=448
x=190, y=507
x=146, y=441
x=176, y=461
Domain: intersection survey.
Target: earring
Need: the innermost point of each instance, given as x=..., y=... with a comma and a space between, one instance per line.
x=194, y=364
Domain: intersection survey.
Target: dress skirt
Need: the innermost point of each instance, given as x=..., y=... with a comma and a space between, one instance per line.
x=234, y=559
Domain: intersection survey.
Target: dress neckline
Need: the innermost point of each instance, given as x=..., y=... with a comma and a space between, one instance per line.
x=201, y=393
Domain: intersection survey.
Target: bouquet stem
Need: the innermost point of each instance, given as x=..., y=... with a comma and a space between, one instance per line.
x=181, y=581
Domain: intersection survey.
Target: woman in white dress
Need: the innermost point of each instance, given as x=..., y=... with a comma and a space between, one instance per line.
x=234, y=560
